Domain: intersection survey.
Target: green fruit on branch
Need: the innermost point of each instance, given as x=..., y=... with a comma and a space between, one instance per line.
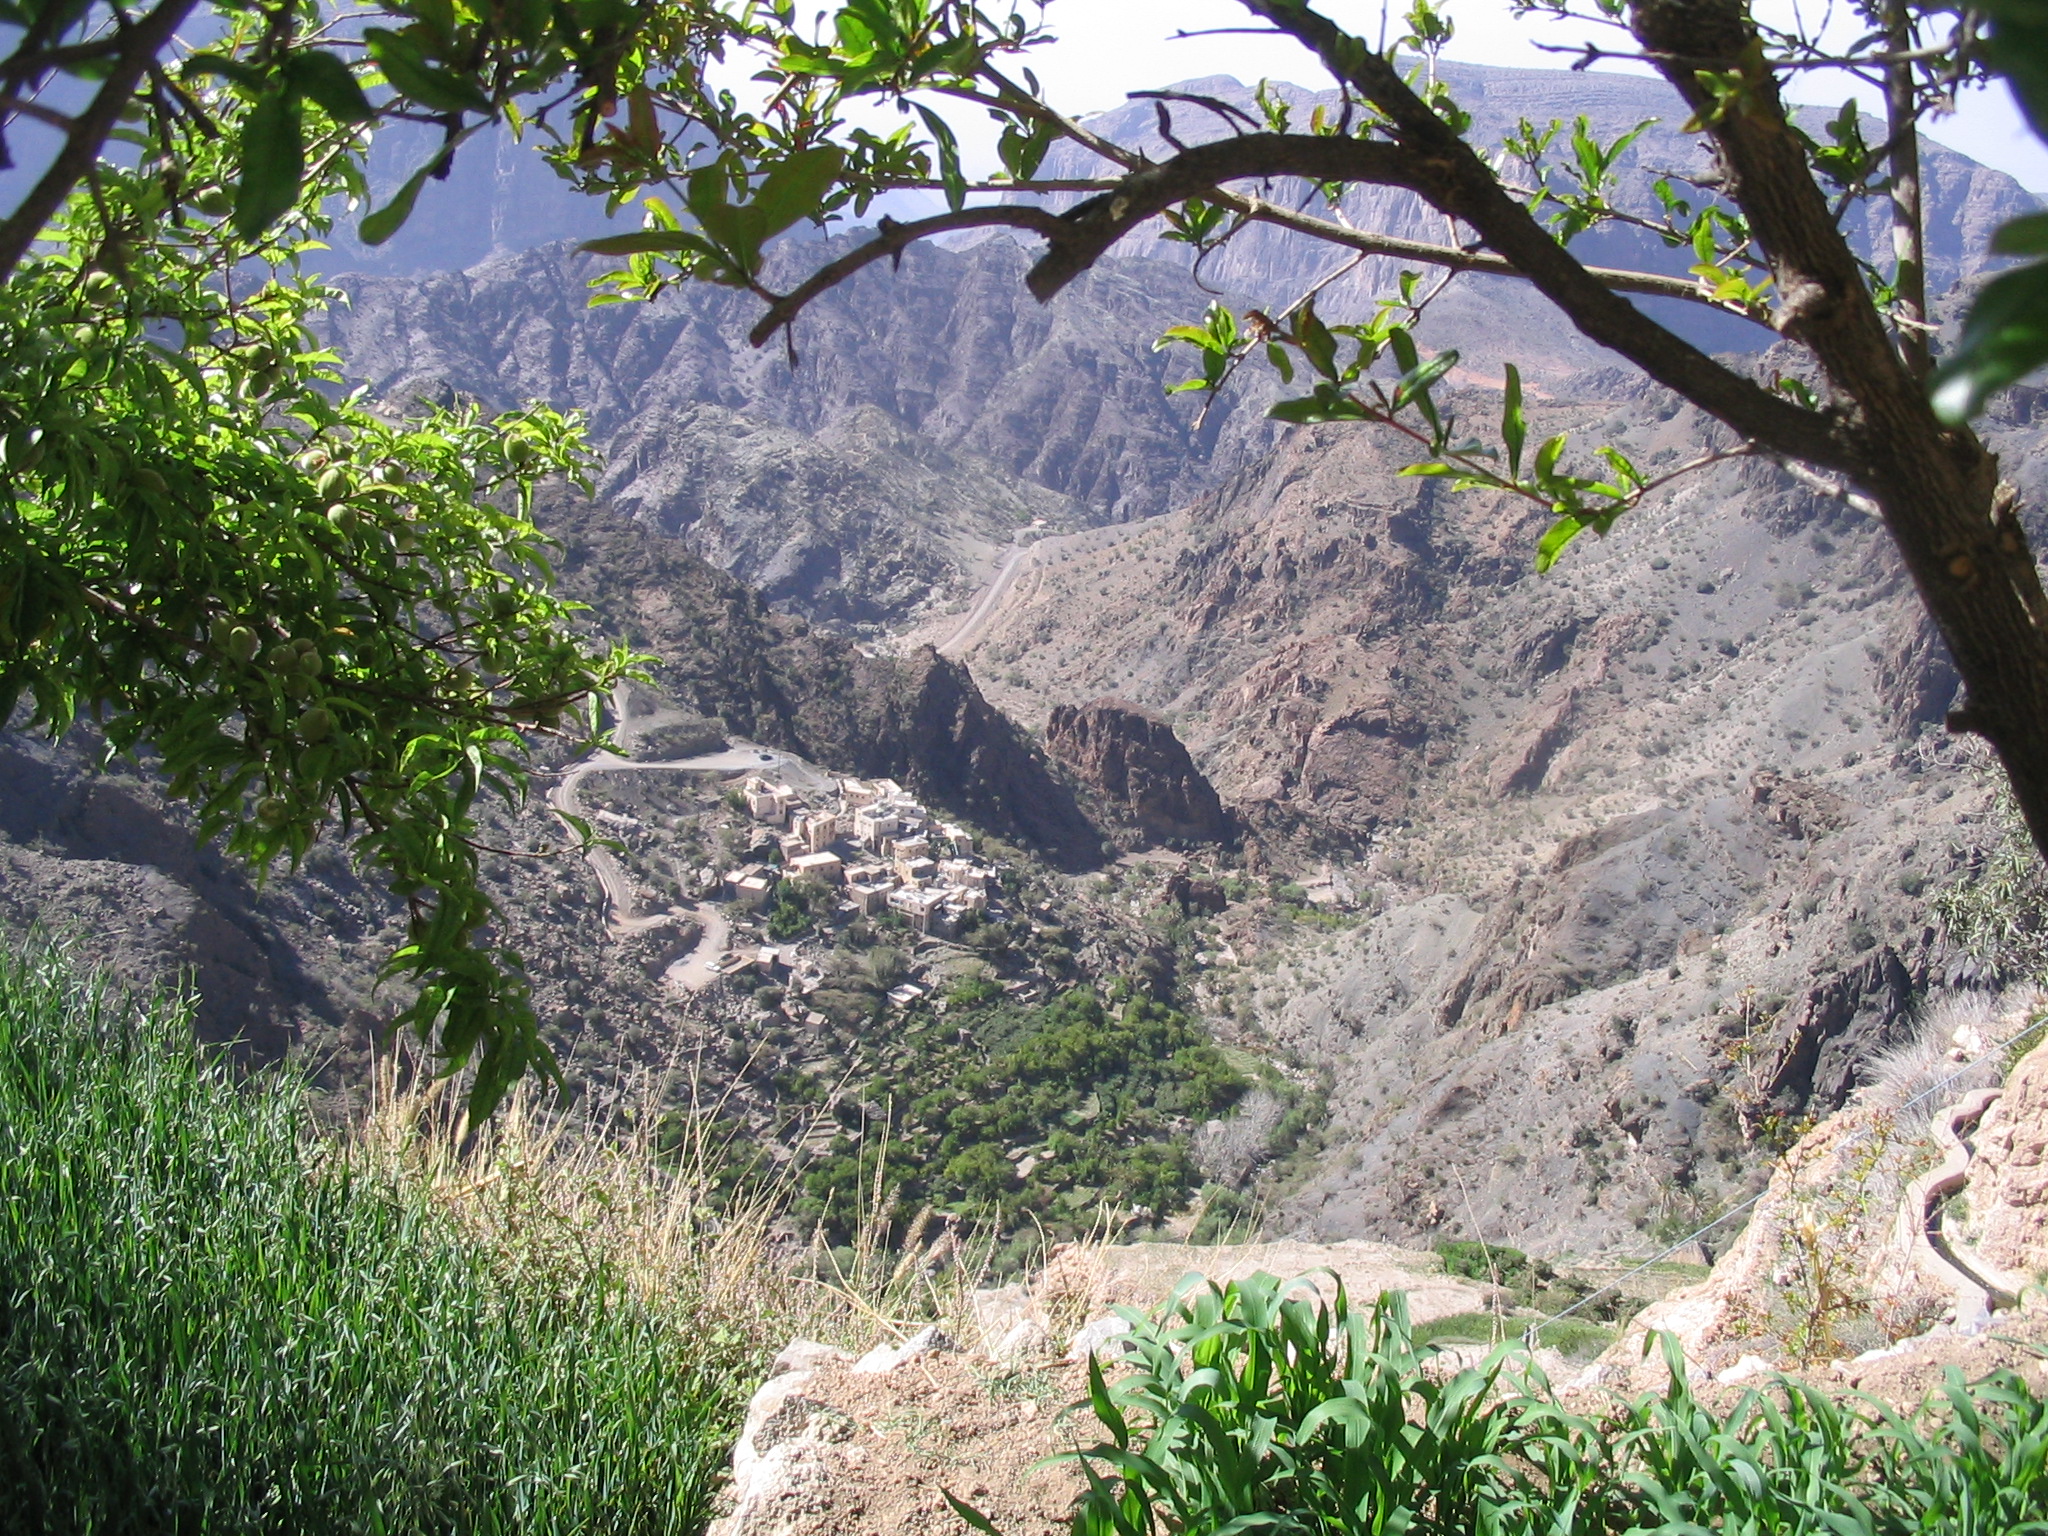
x=213, y=202
x=335, y=483
x=241, y=644
x=520, y=452
x=150, y=480
x=343, y=518
x=272, y=812
x=316, y=725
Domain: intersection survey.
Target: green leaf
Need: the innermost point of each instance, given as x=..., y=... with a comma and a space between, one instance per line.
x=1546, y=459
x=329, y=84
x=273, y=163
x=1514, y=426
x=655, y=240
x=795, y=187
x=1560, y=534
x=951, y=176
x=381, y=225
x=2026, y=235
x=2004, y=339
x=406, y=67
x=971, y=1515
x=1415, y=384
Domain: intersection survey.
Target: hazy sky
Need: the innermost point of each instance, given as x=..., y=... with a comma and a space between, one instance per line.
x=1108, y=47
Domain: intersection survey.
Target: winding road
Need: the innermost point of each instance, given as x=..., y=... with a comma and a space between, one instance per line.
x=693, y=971
x=975, y=620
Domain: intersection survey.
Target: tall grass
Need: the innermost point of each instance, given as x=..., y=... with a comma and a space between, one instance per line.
x=211, y=1322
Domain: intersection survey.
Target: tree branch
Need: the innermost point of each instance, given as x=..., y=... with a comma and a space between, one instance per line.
x=1448, y=172
x=891, y=241
x=140, y=45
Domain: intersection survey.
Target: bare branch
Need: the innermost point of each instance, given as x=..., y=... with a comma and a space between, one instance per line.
x=140, y=44
x=1621, y=280
x=890, y=241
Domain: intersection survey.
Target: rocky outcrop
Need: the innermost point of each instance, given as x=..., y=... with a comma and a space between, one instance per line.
x=2008, y=1181
x=1135, y=762
x=1822, y=1044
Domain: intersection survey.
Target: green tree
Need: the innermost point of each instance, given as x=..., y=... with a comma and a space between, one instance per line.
x=318, y=618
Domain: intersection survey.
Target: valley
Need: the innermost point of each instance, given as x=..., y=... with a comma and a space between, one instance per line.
x=1390, y=890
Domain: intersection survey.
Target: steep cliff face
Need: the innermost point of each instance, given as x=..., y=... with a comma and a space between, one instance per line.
x=1646, y=841
x=1136, y=763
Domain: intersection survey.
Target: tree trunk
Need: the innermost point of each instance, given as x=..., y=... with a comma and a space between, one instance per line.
x=1937, y=487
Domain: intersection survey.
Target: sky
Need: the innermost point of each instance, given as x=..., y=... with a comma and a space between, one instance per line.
x=1109, y=47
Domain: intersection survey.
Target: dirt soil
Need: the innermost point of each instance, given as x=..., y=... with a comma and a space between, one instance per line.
x=887, y=1449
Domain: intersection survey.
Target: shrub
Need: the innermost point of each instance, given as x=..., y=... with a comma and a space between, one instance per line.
x=214, y=1325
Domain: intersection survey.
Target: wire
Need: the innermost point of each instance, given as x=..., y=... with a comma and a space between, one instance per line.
x=1529, y=1336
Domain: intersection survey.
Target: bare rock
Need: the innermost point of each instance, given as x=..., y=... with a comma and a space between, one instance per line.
x=1134, y=760
x=2009, y=1179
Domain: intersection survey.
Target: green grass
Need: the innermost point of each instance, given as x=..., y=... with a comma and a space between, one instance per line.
x=1256, y=1407
x=212, y=1325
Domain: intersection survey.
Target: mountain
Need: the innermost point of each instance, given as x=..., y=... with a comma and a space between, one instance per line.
x=1645, y=843
x=933, y=412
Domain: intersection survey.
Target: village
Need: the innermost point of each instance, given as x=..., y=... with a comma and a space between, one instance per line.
x=874, y=848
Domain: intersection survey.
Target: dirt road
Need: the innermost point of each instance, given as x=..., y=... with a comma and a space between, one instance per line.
x=693, y=971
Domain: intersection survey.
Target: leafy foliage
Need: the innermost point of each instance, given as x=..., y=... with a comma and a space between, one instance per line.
x=2005, y=336
x=315, y=617
x=1996, y=910
x=1257, y=1405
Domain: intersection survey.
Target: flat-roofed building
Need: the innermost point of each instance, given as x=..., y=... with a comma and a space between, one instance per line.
x=752, y=891
x=827, y=867
x=964, y=873
x=916, y=871
x=873, y=825
x=916, y=905
x=855, y=793
x=871, y=896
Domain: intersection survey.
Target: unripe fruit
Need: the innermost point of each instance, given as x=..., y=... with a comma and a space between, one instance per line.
x=313, y=460
x=297, y=685
x=268, y=380
x=217, y=632
x=242, y=644
x=213, y=202
x=334, y=484
x=403, y=537
x=504, y=604
x=311, y=662
x=149, y=480
x=520, y=452
x=283, y=657
x=272, y=812
x=343, y=518
x=316, y=724
x=102, y=287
